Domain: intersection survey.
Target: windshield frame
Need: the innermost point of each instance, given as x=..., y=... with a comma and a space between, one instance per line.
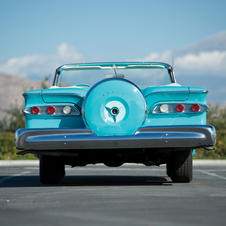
x=113, y=65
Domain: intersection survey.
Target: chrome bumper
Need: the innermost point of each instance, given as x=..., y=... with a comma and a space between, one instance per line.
x=147, y=137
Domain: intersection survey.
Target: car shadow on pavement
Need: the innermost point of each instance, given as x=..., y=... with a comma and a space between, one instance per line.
x=90, y=180
x=112, y=180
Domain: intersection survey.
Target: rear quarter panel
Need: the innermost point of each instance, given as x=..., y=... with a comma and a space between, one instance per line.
x=177, y=95
x=54, y=97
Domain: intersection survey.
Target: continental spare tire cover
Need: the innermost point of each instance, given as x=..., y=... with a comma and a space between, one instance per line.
x=114, y=107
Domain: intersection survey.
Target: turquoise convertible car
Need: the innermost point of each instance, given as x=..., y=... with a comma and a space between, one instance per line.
x=115, y=113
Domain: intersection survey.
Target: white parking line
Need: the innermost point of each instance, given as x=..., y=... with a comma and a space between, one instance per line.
x=211, y=174
x=15, y=175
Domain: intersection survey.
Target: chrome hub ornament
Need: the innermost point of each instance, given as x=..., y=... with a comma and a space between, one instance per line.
x=114, y=111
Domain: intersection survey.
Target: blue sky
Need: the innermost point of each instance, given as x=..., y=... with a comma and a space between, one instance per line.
x=106, y=30
x=37, y=36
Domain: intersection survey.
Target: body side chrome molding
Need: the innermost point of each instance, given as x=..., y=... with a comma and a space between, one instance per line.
x=30, y=93
x=198, y=91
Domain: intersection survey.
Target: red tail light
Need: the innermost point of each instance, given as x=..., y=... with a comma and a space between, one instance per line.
x=195, y=107
x=180, y=107
x=35, y=110
x=51, y=110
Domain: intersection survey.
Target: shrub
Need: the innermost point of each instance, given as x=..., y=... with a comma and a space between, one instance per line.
x=216, y=116
x=8, y=150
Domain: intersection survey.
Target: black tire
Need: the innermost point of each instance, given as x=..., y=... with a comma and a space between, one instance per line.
x=51, y=169
x=180, y=167
x=168, y=172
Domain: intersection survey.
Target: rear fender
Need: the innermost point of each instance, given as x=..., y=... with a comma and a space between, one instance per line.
x=53, y=97
x=155, y=95
x=175, y=95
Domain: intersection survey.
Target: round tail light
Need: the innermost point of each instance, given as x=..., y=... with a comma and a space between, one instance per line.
x=180, y=107
x=67, y=110
x=195, y=107
x=164, y=108
x=51, y=110
x=35, y=110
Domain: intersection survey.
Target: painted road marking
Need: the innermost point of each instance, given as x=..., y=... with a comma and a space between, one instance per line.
x=211, y=174
x=14, y=175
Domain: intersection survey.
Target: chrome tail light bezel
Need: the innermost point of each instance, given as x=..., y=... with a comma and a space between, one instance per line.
x=172, y=108
x=43, y=110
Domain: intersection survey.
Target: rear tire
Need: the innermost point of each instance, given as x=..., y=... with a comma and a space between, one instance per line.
x=180, y=166
x=51, y=169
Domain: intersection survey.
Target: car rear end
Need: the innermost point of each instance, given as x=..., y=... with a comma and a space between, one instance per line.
x=115, y=121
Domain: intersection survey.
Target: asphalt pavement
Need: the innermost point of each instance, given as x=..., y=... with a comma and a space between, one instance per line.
x=99, y=195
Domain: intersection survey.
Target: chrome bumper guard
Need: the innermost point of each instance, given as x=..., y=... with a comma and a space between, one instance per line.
x=146, y=137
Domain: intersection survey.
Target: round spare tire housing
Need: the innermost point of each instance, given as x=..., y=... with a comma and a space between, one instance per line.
x=114, y=107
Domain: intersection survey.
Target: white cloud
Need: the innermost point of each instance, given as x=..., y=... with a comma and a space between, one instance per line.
x=165, y=57
x=38, y=66
x=41, y=65
x=202, y=63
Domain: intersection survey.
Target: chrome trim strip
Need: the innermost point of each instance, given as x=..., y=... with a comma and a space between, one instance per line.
x=116, y=62
x=55, y=80
x=30, y=93
x=199, y=91
x=172, y=76
x=112, y=63
x=76, y=67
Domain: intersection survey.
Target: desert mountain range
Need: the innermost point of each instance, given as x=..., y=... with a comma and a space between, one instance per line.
x=11, y=90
